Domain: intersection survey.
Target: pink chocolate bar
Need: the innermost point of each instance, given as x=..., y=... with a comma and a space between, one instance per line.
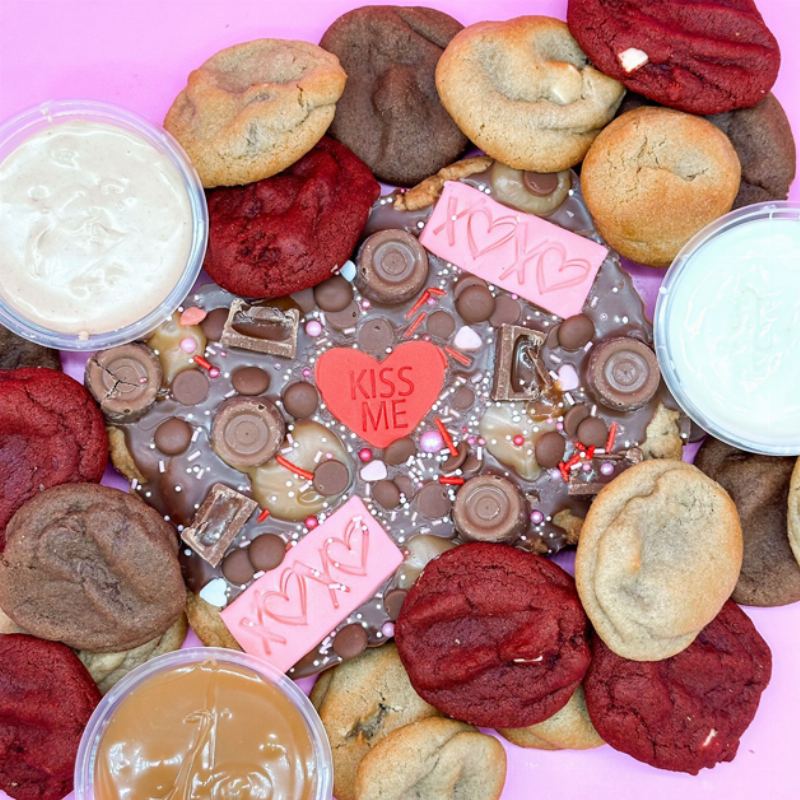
x=332, y=571
x=521, y=253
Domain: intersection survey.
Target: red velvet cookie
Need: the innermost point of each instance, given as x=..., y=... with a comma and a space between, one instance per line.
x=686, y=712
x=51, y=432
x=46, y=699
x=292, y=231
x=494, y=636
x=704, y=58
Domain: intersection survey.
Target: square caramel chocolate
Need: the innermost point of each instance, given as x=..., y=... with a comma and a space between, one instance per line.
x=519, y=373
x=262, y=329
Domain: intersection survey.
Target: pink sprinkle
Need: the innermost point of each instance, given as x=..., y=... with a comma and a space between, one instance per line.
x=306, y=373
x=560, y=426
x=388, y=629
x=311, y=523
x=365, y=454
x=213, y=372
x=481, y=441
x=607, y=468
x=192, y=316
x=537, y=517
x=471, y=441
x=365, y=304
x=587, y=467
x=329, y=456
x=314, y=328
x=519, y=440
x=431, y=301
x=142, y=380
x=188, y=345
x=431, y=442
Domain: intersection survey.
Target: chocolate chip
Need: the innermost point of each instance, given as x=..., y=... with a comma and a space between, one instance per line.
x=392, y=267
x=575, y=332
x=454, y=462
x=331, y=477
x=345, y=319
x=549, y=449
x=247, y=431
x=190, y=387
x=540, y=184
x=173, y=436
x=592, y=432
x=350, y=641
x=440, y=324
x=237, y=569
x=400, y=451
x=490, y=508
x=464, y=282
x=386, y=494
x=266, y=552
x=334, y=294
x=305, y=300
x=475, y=304
x=124, y=380
x=573, y=418
x=463, y=398
x=376, y=335
x=214, y=324
x=623, y=373
x=393, y=602
x=300, y=399
x=406, y=487
x=434, y=501
x=250, y=381
x=507, y=311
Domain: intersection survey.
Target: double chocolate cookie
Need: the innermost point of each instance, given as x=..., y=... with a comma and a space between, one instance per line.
x=16, y=352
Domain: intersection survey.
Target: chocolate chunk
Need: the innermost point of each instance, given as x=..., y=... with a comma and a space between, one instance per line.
x=266, y=552
x=434, y=501
x=393, y=602
x=237, y=569
x=217, y=522
x=300, y=399
x=440, y=324
x=190, y=387
x=214, y=323
x=454, y=462
x=518, y=370
x=376, y=335
x=463, y=398
x=464, y=282
x=345, y=319
x=540, y=184
x=592, y=432
x=475, y=304
x=399, y=451
x=262, y=329
x=247, y=431
x=386, y=494
x=173, y=436
x=334, y=294
x=573, y=418
x=250, y=381
x=507, y=311
x=124, y=380
x=350, y=641
x=392, y=267
x=549, y=449
x=489, y=508
x=575, y=332
x=623, y=373
x=331, y=477
x=604, y=469
x=406, y=487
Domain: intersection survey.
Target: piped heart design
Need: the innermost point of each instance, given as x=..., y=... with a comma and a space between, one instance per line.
x=474, y=230
x=381, y=401
x=288, y=599
x=349, y=555
x=552, y=262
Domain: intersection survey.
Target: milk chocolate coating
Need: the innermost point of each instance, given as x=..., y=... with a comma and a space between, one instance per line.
x=266, y=552
x=300, y=399
x=214, y=324
x=236, y=567
x=250, y=381
x=573, y=418
x=454, y=462
x=350, y=641
x=433, y=500
x=331, y=478
x=399, y=451
x=124, y=380
x=247, y=431
x=540, y=184
x=376, y=335
x=575, y=332
x=489, y=508
x=440, y=324
x=173, y=436
x=386, y=494
x=623, y=373
x=592, y=432
x=393, y=602
x=345, y=319
x=549, y=449
x=334, y=294
x=392, y=267
x=190, y=387
x=475, y=304
x=507, y=311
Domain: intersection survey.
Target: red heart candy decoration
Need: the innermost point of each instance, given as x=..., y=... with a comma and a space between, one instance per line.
x=381, y=401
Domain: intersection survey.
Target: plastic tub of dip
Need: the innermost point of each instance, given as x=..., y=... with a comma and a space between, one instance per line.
x=727, y=328
x=103, y=225
x=205, y=723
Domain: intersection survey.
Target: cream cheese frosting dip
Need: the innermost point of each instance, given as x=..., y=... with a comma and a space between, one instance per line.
x=728, y=328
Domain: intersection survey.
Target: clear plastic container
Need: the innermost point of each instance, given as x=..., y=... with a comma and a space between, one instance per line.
x=727, y=328
x=87, y=752
x=18, y=129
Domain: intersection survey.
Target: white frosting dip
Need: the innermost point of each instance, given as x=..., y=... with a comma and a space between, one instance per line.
x=733, y=331
x=95, y=228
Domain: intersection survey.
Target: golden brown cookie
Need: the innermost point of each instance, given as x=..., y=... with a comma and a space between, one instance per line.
x=524, y=92
x=207, y=623
x=659, y=554
x=361, y=702
x=434, y=759
x=255, y=108
x=656, y=177
x=568, y=729
x=794, y=512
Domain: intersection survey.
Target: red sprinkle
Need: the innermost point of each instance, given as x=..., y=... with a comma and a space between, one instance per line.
x=200, y=361
x=612, y=435
x=565, y=467
x=414, y=325
x=590, y=452
x=436, y=291
x=460, y=357
x=446, y=436
x=263, y=515
x=452, y=480
x=579, y=446
x=423, y=298
x=303, y=473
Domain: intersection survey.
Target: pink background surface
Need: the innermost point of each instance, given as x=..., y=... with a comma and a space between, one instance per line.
x=137, y=53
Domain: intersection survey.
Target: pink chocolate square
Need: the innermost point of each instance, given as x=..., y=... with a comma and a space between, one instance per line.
x=332, y=571
x=523, y=254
